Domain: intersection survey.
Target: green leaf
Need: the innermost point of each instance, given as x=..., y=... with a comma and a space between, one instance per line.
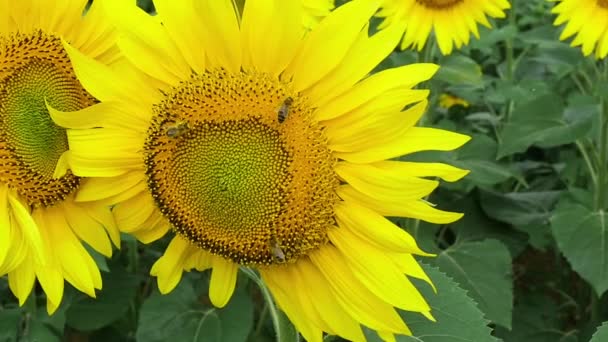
x=458, y=317
x=536, y=317
x=181, y=316
x=519, y=208
x=479, y=156
x=601, y=335
x=483, y=268
x=458, y=69
x=582, y=236
x=542, y=122
x=9, y=323
x=119, y=289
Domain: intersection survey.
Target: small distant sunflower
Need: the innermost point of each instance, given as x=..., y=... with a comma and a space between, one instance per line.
x=41, y=225
x=452, y=21
x=448, y=100
x=266, y=148
x=588, y=20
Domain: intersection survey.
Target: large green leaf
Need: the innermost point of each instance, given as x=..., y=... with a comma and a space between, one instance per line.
x=119, y=288
x=9, y=324
x=483, y=268
x=582, y=236
x=459, y=69
x=519, y=208
x=601, y=335
x=458, y=317
x=181, y=316
x=537, y=317
x=543, y=122
x=528, y=212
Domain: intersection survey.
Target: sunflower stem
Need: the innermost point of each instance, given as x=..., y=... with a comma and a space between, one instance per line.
x=284, y=329
x=600, y=191
x=510, y=66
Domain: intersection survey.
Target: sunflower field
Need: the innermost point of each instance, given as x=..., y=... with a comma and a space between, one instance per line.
x=304, y=170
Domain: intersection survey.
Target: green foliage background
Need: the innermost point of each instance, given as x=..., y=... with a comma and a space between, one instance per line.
x=528, y=262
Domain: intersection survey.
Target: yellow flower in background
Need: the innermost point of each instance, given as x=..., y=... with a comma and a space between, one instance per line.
x=315, y=10
x=451, y=21
x=266, y=148
x=41, y=225
x=448, y=100
x=588, y=20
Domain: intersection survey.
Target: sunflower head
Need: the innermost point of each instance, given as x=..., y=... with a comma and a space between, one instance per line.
x=35, y=71
x=450, y=21
x=240, y=168
x=586, y=21
x=265, y=145
x=41, y=225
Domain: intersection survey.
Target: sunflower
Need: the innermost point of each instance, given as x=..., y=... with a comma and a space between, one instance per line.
x=452, y=21
x=448, y=101
x=588, y=19
x=42, y=226
x=268, y=148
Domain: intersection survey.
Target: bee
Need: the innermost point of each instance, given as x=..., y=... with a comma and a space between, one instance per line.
x=284, y=109
x=276, y=250
x=175, y=130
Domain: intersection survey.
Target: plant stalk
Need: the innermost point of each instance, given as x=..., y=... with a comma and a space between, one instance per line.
x=284, y=329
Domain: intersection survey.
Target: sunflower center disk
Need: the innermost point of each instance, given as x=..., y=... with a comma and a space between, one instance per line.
x=602, y=3
x=441, y=4
x=34, y=68
x=240, y=169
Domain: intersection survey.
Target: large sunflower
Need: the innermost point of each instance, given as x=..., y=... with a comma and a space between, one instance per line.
x=267, y=148
x=41, y=225
x=452, y=21
x=588, y=20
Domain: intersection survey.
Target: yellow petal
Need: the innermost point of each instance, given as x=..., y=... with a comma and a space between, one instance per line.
x=220, y=25
x=377, y=128
x=278, y=281
x=369, y=52
x=173, y=15
x=383, y=186
x=339, y=320
x=71, y=255
x=375, y=86
x=261, y=18
x=101, y=214
x=418, y=209
x=199, y=259
x=410, y=169
x=375, y=229
x=29, y=229
x=377, y=272
x=105, y=83
x=146, y=43
x=414, y=140
x=104, y=114
x=51, y=281
x=4, y=18
x=354, y=296
x=223, y=280
x=169, y=268
x=5, y=224
x=104, y=152
x=98, y=188
x=21, y=280
x=62, y=165
x=88, y=229
x=326, y=46
x=132, y=213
